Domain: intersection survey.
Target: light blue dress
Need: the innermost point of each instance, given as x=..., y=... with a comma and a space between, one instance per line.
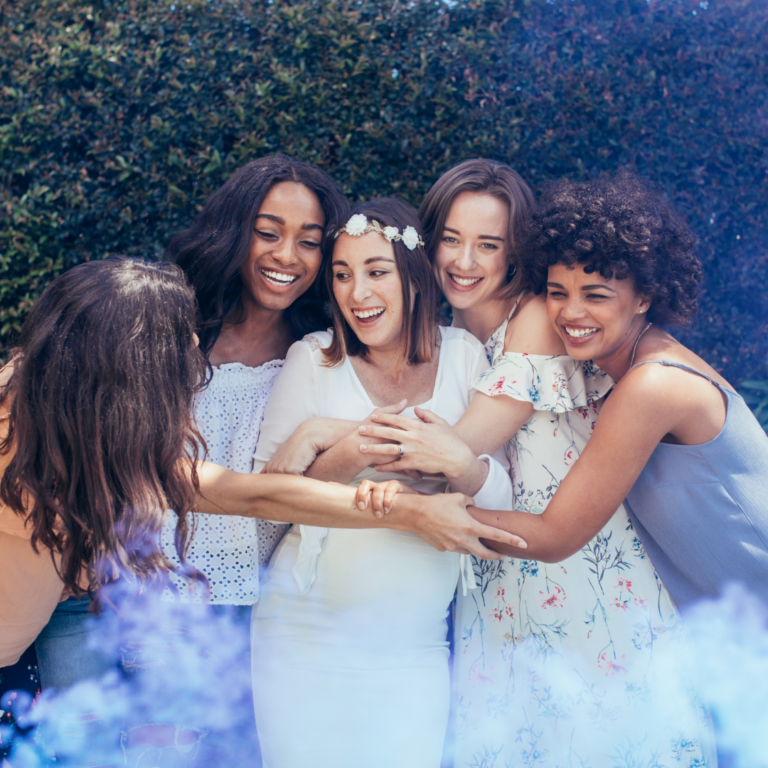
x=701, y=511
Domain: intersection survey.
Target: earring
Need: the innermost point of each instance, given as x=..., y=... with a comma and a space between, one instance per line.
x=511, y=272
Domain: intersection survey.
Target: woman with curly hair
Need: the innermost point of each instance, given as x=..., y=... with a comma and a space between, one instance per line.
x=554, y=664
x=674, y=441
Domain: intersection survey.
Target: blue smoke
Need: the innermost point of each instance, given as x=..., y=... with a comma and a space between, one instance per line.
x=180, y=694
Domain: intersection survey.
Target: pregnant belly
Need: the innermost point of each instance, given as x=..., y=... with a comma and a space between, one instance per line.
x=387, y=589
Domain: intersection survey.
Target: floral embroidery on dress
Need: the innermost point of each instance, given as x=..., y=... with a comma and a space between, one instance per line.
x=556, y=663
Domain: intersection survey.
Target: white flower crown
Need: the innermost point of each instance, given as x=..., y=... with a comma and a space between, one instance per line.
x=358, y=225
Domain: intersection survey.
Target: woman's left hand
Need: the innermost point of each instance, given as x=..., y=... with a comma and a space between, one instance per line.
x=427, y=444
x=379, y=495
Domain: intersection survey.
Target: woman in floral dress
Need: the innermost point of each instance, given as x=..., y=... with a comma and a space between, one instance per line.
x=555, y=664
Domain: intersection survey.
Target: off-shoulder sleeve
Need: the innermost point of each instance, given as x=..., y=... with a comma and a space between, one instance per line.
x=293, y=399
x=556, y=383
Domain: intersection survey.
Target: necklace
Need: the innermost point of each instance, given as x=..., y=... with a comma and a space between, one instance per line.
x=637, y=341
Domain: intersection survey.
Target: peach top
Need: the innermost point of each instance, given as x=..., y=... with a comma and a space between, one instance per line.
x=30, y=587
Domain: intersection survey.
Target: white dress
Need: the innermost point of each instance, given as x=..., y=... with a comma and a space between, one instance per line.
x=229, y=549
x=563, y=664
x=350, y=658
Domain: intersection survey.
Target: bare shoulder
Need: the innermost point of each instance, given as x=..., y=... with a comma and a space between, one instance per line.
x=530, y=332
x=672, y=396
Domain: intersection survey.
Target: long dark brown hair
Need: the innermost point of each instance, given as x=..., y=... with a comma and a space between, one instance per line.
x=100, y=417
x=214, y=249
x=420, y=289
x=485, y=177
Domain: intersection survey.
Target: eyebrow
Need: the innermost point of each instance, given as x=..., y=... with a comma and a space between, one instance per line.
x=339, y=262
x=481, y=237
x=584, y=287
x=280, y=220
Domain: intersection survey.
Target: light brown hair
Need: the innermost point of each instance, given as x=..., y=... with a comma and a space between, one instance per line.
x=419, y=289
x=485, y=177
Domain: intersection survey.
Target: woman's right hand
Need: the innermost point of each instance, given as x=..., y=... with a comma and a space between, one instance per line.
x=379, y=495
x=443, y=522
x=317, y=435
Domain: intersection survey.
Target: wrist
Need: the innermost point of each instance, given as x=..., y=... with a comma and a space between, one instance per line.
x=472, y=479
x=466, y=466
x=407, y=510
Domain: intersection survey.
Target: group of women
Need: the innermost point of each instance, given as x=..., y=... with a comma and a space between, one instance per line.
x=498, y=521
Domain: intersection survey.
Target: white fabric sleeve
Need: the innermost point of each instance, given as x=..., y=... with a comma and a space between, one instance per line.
x=294, y=398
x=496, y=491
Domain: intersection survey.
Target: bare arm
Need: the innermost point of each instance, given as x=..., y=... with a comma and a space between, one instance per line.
x=441, y=520
x=298, y=454
x=489, y=421
x=636, y=416
x=310, y=439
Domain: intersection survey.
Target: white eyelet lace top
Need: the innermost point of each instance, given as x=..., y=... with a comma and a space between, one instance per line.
x=229, y=550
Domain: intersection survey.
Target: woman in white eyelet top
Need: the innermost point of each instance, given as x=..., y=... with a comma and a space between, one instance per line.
x=256, y=295
x=229, y=549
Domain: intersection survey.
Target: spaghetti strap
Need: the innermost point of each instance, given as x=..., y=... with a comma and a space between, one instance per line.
x=672, y=364
x=515, y=306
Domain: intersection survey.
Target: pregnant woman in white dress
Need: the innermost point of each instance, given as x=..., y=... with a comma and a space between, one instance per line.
x=350, y=657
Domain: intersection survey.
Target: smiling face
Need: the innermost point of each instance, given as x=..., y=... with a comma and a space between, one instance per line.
x=285, y=252
x=368, y=289
x=471, y=258
x=596, y=318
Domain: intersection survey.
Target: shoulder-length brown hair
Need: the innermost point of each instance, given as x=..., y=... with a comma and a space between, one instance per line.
x=419, y=289
x=100, y=417
x=485, y=177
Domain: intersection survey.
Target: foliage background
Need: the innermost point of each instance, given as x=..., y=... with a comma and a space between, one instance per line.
x=118, y=118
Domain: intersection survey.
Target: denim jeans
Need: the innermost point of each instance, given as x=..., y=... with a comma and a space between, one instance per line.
x=63, y=655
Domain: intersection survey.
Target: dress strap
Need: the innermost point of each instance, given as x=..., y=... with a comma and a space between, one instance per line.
x=516, y=305
x=672, y=364
x=501, y=331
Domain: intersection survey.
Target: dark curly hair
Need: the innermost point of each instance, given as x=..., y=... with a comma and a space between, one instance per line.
x=618, y=226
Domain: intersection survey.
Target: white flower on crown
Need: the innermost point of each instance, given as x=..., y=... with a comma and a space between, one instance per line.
x=391, y=233
x=356, y=225
x=410, y=238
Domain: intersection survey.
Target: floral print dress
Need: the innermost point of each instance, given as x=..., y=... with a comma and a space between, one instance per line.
x=564, y=664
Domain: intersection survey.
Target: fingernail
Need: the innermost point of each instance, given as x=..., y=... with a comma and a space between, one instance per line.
x=361, y=429
x=378, y=514
x=523, y=545
x=363, y=448
x=375, y=417
x=386, y=510
x=360, y=505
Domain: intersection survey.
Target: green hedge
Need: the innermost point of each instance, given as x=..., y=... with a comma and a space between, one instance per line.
x=119, y=118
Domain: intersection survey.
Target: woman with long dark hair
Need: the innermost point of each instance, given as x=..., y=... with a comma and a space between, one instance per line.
x=99, y=440
x=252, y=256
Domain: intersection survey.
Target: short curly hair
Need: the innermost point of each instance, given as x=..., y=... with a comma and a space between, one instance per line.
x=618, y=226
